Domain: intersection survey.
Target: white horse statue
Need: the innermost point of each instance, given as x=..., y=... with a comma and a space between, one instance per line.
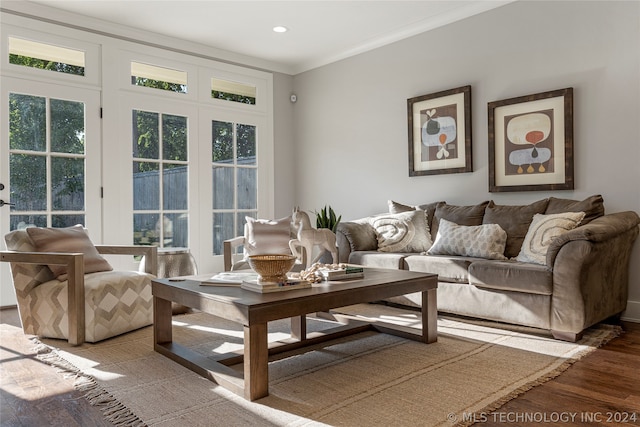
x=309, y=237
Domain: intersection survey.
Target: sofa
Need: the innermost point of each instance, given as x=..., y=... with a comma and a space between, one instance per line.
x=556, y=264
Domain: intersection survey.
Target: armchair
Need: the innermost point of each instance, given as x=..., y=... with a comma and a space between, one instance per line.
x=78, y=307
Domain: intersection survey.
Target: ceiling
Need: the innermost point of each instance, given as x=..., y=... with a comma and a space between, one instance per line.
x=320, y=32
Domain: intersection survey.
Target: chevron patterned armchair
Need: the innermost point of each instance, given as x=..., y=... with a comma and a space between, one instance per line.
x=65, y=289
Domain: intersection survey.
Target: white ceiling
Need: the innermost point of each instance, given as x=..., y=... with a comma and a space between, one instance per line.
x=320, y=32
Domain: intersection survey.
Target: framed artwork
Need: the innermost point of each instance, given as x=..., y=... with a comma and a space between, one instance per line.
x=440, y=132
x=531, y=142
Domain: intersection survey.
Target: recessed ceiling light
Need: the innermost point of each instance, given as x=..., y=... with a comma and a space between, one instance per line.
x=280, y=29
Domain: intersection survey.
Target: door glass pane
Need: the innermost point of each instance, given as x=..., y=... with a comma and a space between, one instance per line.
x=145, y=135
x=222, y=142
x=146, y=186
x=67, y=184
x=27, y=122
x=174, y=187
x=67, y=126
x=28, y=177
x=20, y=222
x=146, y=229
x=222, y=187
x=174, y=137
x=223, y=229
x=246, y=145
x=247, y=192
x=176, y=230
x=61, y=221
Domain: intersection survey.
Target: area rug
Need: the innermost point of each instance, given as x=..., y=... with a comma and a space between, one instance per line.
x=370, y=379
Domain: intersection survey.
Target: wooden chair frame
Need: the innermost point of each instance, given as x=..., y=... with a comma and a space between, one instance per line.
x=75, y=270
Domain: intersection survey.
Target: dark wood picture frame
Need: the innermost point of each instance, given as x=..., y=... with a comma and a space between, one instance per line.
x=440, y=132
x=531, y=142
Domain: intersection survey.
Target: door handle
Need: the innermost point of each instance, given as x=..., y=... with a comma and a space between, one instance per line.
x=2, y=203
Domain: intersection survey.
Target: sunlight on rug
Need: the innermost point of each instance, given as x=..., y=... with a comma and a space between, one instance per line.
x=368, y=379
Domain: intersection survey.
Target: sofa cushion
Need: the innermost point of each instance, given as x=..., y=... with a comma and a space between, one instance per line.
x=377, y=259
x=593, y=207
x=543, y=229
x=448, y=268
x=480, y=241
x=511, y=276
x=68, y=240
x=461, y=215
x=515, y=220
x=402, y=232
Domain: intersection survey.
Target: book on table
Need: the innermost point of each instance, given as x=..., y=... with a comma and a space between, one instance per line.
x=266, y=287
x=230, y=278
x=346, y=273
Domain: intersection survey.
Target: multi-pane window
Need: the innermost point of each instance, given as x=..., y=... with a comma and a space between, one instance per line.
x=234, y=172
x=46, y=56
x=160, y=179
x=46, y=161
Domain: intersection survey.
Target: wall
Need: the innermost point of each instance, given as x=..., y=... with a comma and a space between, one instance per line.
x=350, y=119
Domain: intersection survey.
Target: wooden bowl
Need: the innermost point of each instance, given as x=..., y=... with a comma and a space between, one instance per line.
x=272, y=268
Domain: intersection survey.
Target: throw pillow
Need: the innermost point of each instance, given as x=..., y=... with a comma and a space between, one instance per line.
x=402, y=232
x=593, y=207
x=428, y=208
x=461, y=215
x=267, y=237
x=478, y=241
x=515, y=220
x=543, y=229
x=68, y=240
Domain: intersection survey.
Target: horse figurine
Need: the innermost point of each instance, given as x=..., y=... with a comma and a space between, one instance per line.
x=309, y=237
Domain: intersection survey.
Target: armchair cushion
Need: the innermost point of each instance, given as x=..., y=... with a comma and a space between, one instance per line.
x=71, y=239
x=268, y=236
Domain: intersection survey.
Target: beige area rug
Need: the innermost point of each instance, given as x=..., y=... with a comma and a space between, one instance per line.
x=369, y=379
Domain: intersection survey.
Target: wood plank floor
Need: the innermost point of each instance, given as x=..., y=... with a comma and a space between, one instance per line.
x=602, y=389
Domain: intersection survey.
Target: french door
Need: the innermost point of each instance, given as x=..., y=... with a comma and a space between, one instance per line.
x=50, y=167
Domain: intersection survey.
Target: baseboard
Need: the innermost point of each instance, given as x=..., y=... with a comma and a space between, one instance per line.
x=632, y=313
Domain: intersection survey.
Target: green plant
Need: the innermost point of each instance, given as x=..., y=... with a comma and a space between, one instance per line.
x=327, y=218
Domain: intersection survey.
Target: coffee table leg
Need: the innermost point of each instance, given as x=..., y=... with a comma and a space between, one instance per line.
x=256, y=362
x=162, y=332
x=299, y=328
x=429, y=316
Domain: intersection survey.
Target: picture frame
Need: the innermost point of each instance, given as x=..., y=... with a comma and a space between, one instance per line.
x=531, y=142
x=439, y=128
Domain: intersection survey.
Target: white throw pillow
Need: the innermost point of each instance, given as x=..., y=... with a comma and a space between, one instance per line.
x=267, y=237
x=542, y=230
x=478, y=241
x=402, y=232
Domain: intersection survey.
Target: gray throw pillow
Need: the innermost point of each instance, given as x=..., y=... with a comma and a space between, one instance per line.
x=478, y=241
x=461, y=215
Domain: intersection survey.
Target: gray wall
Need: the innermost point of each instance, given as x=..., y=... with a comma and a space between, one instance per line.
x=349, y=124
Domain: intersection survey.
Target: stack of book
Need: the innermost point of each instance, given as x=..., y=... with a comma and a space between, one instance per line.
x=265, y=287
x=346, y=273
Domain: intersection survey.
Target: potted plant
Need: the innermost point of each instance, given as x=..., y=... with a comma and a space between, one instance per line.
x=327, y=218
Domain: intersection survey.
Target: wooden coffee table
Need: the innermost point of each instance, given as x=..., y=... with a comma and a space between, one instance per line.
x=253, y=310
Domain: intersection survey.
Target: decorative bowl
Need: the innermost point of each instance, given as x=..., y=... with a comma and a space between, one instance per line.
x=272, y=268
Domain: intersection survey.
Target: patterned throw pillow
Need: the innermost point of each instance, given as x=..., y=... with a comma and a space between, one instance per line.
x=402, y=232
x=542, y=230
x=479, y=241
x=68, y=240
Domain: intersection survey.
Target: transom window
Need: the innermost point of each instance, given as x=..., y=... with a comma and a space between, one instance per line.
x=233, y=91
x=45, y=56
x=156, y=77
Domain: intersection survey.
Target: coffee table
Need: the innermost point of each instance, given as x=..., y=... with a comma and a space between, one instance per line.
x=253, y=310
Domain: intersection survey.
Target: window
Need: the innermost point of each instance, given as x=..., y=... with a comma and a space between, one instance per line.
x=234, y=179
x=158, y=77
x=233, y=91
x=46, y=56
x=160, y=179
x=46, y=161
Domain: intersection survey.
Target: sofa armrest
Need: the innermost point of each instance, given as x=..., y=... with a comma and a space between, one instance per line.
x=356, y=235
x=601, y=229
x=591, y=272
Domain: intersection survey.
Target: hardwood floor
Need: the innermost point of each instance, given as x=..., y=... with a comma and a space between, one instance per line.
x=601, y=389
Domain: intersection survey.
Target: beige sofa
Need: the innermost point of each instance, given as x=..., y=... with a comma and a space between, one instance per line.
x=576, y=279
